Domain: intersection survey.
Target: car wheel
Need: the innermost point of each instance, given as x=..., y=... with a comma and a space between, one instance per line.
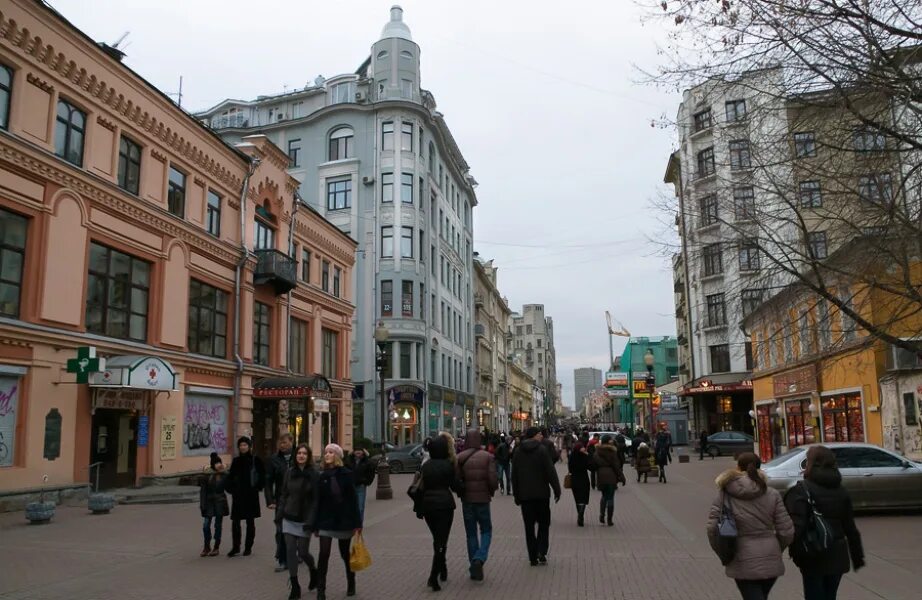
x=714, y=451
x=396, y=466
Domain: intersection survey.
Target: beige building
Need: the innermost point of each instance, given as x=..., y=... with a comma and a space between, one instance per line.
x=150, y=308
x=520, y=396
x=491, y=330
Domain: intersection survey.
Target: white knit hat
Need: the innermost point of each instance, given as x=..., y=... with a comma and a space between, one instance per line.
x=335, y=449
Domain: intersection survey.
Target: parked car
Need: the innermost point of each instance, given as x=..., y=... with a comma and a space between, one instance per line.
x=877, y=479
x=727, y=443
x=405, y=459
x=627, y=440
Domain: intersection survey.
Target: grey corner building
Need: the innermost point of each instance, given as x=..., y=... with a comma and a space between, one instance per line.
x=377, y=159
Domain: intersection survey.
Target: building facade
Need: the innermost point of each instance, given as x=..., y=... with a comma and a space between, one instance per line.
x=533, y=343
x=146, y=293
x=585, y=380
x=373, y=155
x=491, y=330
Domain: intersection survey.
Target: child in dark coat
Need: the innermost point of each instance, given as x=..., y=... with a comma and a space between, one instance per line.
x=213, y=504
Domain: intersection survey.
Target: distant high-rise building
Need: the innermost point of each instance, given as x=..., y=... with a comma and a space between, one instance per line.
x=585, y=380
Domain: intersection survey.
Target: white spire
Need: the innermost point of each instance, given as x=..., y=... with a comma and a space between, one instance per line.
x=396, y=28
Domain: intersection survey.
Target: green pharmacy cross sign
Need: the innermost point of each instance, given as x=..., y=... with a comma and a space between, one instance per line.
x=85, y=363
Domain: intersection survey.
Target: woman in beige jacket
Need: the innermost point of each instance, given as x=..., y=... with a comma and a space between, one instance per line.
x=763, y=525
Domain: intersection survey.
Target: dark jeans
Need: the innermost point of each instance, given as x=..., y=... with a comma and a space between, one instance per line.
x=537, y=513
x=439, y=523
x=504, y=470
x=755, y=589
x=206, y=529
x=477, y=515
x=821, y=587
x=298, y=548
x=235, y=533
x=608, y=496
x=361, y=491
x=281, y=550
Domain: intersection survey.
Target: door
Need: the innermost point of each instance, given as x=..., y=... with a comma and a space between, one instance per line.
x=114, y=445
x=849, y=461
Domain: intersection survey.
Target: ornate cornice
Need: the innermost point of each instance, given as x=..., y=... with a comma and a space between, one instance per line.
x=198, y=180
x=210, y=372
x=158, y=155
x=106, y=123
x=39, y=83
x=325, y=243
x=16, y=343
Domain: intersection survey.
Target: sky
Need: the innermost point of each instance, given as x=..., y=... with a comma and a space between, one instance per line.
x=542, y=97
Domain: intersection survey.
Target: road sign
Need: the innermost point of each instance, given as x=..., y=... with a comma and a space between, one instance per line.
x=85, y=363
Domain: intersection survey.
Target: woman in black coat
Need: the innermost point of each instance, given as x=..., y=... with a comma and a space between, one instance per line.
x=244, y=482
x=439, y=480
x=298, y=502
x=337, y=516
x=822, y=483
x=578, y=467
x=212, y=503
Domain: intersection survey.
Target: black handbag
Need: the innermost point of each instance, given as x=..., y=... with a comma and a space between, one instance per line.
x=415, y=492
x=727, y=533
x=817, y=539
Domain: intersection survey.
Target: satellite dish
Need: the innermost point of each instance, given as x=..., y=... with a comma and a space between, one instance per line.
x=319, y=81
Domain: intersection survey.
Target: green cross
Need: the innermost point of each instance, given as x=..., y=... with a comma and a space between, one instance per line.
x=85, y=363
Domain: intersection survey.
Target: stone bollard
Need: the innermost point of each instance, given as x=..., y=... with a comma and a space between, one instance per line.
x=384, y=490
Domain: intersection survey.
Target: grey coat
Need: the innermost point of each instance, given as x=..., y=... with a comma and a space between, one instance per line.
x=763, y=524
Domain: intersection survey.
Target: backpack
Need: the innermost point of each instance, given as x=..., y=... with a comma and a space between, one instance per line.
x=817, y=538
x=727, y=533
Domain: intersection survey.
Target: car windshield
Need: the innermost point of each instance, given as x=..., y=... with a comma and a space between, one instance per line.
x=782, y=458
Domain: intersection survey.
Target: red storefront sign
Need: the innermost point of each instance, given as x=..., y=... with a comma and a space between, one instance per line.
x=793, y=383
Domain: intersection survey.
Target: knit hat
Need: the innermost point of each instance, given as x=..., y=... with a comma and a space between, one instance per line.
x=531, y=432
x=244, y=440
x=215, y=459
x=335, y=449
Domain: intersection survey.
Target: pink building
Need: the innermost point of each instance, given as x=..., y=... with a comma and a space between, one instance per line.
x=220, y=304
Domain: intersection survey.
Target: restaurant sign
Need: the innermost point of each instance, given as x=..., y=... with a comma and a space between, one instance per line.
x=795, y=382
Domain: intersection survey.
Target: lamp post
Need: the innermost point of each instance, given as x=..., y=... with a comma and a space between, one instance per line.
x=649, y=359
x=384, y=490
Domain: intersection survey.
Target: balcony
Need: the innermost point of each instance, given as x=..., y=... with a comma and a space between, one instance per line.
x=276, y=269
x=229, y=121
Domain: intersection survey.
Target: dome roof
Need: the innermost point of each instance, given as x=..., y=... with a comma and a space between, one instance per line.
x=396, y=28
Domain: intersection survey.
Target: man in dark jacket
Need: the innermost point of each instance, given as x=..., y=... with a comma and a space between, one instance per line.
x=503, y=457
x=363, y=470
x=548, y=443
x=276, y=467
x=533, y=476
x=477, y=469
x=702, y=444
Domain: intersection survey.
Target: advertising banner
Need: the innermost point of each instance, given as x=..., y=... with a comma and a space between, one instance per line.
x=168, y=438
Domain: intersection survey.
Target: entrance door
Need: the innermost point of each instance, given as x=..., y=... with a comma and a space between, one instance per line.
x=114, y=444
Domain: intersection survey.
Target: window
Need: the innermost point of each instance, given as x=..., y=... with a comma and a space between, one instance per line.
x=341, y=144
x=816, y=245
x=6, y=91
x=713, y=260
x=406, y=305
x=540, y=342
x=406, y=349
x=387, y=242
x=305, y=265
x=736, y=110
x=339, y=194
x=387, y=298
x=213, y=214
x=265, y=234
x=717, y=310
x=869, y=140
x=406, y=188
x=706, y=162
x=708, y=210
x=297, y=346
x=207, y=319
x=330, y=345
x=12, y=256
x=176, y=193
x=406, y=242
x=528, y=329
x=344, y=92
x=294, y=153
x=518, y=330
x=387, y=187
x=739, y=154
x=69, y=130
x=750, y=362
x=325, y=275
x=749, y=255
x=129, y=164
x=810, y=194
x=824, y=326
x=118, y=287
x=806, y=334
x=909, y=408
x=744, y=202
x=406, y=137
x=261, y=322
x=805, y=144
x=720, y=358
x=751, y=299
x=876, y=189
x=703, y=120
x=387, y=135
x=406, y=88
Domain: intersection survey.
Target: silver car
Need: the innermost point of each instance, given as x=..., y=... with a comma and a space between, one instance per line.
x=876, y=479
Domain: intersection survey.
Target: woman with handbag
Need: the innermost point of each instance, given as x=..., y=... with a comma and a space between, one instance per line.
x=608, y=474
x=299, y=505
x=438, y=480
x=821, y=490
x=763, y=527
x=337, y=516
x=577, y=478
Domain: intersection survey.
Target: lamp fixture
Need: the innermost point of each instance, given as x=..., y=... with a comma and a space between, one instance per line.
x=406, y=414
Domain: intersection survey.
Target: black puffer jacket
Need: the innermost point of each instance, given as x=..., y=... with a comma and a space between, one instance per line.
x=337, y=504
x=362, y=469
x=439, y=478
x=825, y=486
x=299, y=494
x=533, y=473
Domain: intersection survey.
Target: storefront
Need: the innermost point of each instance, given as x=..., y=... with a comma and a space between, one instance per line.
x=405, y=403
x=295, y=405
x=720, y=405
x=843, y=417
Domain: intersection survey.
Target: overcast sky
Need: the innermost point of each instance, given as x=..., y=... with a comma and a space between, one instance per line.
x=539, y=95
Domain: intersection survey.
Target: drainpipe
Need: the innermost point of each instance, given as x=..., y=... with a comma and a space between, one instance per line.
x=238, y=274
x=295, y=203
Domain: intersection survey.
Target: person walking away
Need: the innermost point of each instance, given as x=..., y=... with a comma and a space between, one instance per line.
x=621, y=447
x=337, y=516
x=550, y=445
x=212, y=502
x=298, y=501
x=642, y=461
x=533, y=478
x=477, y=469
x=609, y=473
x=662, y=446
x=822, y=572
x=590, y=447
x=363, y=470
x=439, y=480
x=245, y=480
x=578, y=467
x=764, y=528
x=702, y=444
x=276, y=468
x=503, y=456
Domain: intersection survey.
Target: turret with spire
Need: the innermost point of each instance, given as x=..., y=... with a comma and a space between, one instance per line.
x=395, y=61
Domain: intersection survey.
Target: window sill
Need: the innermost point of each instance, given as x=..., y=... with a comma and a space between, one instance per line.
x=714, y=277
x=333, y=163
x=745, y=171
x=748, y=272
x=709, y=178
x=695, y=135
x=738, y=122
x=709, y=228
x=714, y=328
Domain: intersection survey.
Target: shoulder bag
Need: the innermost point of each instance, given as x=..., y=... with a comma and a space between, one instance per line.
x=817, y=539
x=727, y=533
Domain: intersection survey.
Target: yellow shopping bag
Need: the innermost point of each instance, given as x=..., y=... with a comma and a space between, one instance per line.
x=359, y=558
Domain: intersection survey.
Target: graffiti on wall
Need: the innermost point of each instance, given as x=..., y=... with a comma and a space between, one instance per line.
x=9, y=395
x=205, y=422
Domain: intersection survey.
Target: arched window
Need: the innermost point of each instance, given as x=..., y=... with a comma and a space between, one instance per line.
x=341, y=144
x=431, y=157
x=406, y=55
x=382, y=54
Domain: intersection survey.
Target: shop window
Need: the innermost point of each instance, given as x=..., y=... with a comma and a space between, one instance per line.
x=800, y=426
x=9, y=410
x=843, y=419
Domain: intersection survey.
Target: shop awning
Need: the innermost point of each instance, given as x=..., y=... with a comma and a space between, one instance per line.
x=315, y=386
x=138, y=372
x=722, y=383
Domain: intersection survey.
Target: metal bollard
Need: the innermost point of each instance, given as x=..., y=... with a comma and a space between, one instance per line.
x=384, y=490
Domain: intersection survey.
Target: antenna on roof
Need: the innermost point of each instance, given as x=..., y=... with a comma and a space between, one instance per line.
x=177, y=94
x=120, y=40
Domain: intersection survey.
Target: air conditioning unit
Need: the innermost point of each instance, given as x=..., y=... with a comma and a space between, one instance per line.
x=368, y=180
x=281, y=117
x=360, y=96
x=906, y=359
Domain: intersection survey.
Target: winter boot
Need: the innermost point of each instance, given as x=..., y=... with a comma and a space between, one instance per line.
x=611, y=513
x=350, y=583
x=443, y=565
x=295, y=593
x=312, y=568
x=602, y=510
x=434, y=572
x=214, y=550
x=206, y=550
x=580, y=511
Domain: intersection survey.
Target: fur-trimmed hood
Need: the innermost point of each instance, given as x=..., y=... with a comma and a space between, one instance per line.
x=738, y=484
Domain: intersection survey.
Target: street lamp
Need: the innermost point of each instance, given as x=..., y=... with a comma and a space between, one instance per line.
x=649, y=359
x=384, y=490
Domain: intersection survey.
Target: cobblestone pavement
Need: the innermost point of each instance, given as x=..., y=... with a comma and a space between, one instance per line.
x=656, y=551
